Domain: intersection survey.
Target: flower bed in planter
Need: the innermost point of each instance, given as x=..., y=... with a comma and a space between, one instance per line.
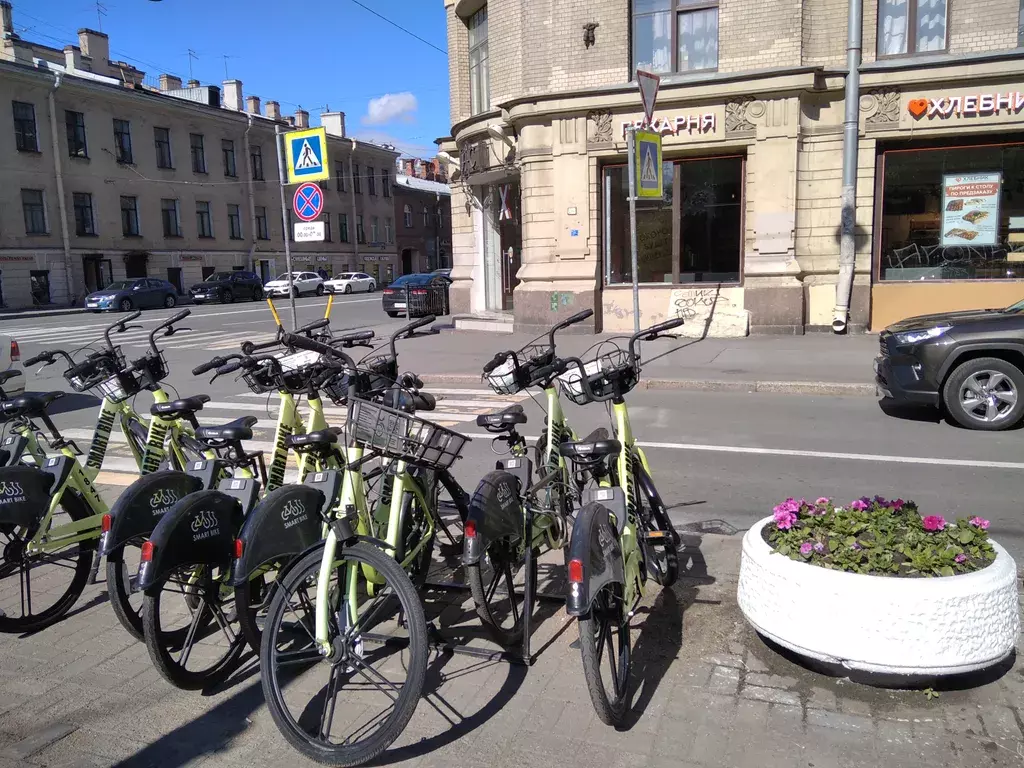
x=850, y=587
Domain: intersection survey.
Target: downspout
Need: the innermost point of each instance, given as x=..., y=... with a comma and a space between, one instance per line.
x=848, y=197
x=252, y=196
x=354, y=232
x=61, y=203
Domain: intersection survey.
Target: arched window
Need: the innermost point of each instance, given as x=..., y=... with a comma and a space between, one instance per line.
x=407, y=215
x=426, y=217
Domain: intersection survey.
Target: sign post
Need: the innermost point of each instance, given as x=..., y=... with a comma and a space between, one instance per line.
x=284, y=225
x=648, y=84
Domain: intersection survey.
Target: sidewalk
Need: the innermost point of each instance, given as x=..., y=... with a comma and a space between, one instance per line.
x=813, y=364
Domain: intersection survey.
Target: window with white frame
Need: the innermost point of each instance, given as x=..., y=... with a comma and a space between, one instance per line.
x=407, y=216
x=26, y=138
x=675, y=35
x=234, y=222
x=479, y=72
x=912, y=26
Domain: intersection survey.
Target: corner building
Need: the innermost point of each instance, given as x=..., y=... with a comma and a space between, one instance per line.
x=746, y=239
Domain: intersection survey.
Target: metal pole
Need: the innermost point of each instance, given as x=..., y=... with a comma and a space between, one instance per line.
x=69, y=276
x=284, y=223
x=607, y=229
x=631, y=151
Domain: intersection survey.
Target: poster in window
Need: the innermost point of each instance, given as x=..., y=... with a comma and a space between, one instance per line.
x=970, y=208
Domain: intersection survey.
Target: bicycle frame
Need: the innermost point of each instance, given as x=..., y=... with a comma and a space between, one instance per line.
x=626, y=469
x=69, y=474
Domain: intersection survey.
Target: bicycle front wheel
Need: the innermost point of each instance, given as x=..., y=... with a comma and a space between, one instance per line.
x=347, y=707
x=605, y=647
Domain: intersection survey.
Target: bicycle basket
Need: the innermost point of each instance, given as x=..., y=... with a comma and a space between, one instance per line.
x=610, y=371
x=403, y=436
x=90, y=373
x=119, y=387
x=150, y=370
x=260, y=380
x=507, y=379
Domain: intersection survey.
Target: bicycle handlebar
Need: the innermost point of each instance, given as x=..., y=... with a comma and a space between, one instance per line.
x=650, y=334
x=577, y=318
x=248, y=347
x=167, y=324
x=202, y=368
x=316, y=325
x=120, y=325
x=408, y=330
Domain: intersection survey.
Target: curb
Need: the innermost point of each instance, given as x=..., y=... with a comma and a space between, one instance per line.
x=30, y=315
x=707, y=385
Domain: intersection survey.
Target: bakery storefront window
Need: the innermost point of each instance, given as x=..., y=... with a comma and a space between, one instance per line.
x=952, y=213
x=693, y=235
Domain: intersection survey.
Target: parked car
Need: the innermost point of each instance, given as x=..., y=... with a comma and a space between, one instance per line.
x=351, y=282
x=228, y=286
x=418, y=294
x=304, y=282
x=971, y=364
x=126, y=295
x=445, y=272
x=12, y=379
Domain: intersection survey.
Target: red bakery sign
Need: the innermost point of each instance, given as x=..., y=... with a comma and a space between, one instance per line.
x=972, y=105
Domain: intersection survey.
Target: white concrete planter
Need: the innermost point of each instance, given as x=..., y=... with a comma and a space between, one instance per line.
x=893, y=626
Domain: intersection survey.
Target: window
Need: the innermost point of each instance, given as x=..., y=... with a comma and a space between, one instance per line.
x=951, y=213
x=426, y=217
x=339, y=174
x=327, y=227
x=85, y=224
x=256, y=159
x=355, y=179
x=227, y=151
x=171, y=220
x=371, y=181
x=162, y=138
x=374, y=229
x=343, y=227
x=694, y=235
x=204, y=226
x=262, y=230
x=195, y=141
x=675, y=35
x=289, y=228
x=911, y=26
x=385, y=180
x=479, y=74
x=387, y=230
x=34, y=208
x=129, y=216
x=39, y=280
x=123, y=141
x=25, y=137
x=407, y=216
x=75, y=124
x=234, y=222
x=360, y=234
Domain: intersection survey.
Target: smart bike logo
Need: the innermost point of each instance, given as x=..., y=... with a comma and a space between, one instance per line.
x=204, y=525
x=505, y=495
x=11, y=492
x=293, y=513
x=162, y=500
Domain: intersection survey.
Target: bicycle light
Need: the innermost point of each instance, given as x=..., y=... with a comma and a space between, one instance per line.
x=105, y=524
x=239, y=546
x=147, y=551
x=575, y=571
x=470, y=529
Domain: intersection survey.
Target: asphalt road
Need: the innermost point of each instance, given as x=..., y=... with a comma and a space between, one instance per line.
x=721, y=460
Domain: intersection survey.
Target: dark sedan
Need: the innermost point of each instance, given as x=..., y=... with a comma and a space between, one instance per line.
x=126, y=295
x=227, y=286
x=416, y=296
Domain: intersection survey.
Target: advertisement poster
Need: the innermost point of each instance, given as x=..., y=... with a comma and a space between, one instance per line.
x=970, y=208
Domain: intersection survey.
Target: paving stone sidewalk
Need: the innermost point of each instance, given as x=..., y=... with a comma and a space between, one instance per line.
x=711, y=693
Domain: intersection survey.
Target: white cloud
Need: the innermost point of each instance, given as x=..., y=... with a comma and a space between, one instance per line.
x=407, y=147
x=391, y=107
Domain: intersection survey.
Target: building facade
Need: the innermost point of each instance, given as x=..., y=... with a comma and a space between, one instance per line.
x=750, y=109
x=107, y=179
x=423, y=216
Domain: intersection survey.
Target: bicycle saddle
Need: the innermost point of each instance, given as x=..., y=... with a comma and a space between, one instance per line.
x=594, y=446
x=239, y=429
x=503, y=419
x=321, y=438
x=29, y=405
x=177, y=408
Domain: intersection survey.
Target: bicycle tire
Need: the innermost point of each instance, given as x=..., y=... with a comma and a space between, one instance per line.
x=250, y=598
x=75, y=508
x=119, y=595
x=664, y=569
x=303, y=572
x=497, y=554
x=605, y=607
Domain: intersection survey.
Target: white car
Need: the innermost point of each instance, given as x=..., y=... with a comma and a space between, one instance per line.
x=351, y=282
x=304, y=282
x=12, y=380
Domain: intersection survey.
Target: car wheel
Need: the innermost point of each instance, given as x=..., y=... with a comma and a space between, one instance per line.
x=986, y=393
x=348, y=289
x=170, y=300
x=295, y=291
x=392, y=314
x=96, y=311
x=320, y=290
x=227, y=297
x=257, y=294
x=372, y=288
x=125, y=305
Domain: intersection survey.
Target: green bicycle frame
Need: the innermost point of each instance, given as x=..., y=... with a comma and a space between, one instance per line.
x=289, y=423
x=628, y=455
x=49, y=539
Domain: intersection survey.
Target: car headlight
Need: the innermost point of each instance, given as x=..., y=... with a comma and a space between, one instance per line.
x=924, y=334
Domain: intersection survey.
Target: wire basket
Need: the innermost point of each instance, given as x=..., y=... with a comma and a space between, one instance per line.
x=403, y=436
x=150, y=369
x=119, y=387
x=517, y=372
x=608, y=372
x=381, y=365
x=260, y=380
x=90, y=373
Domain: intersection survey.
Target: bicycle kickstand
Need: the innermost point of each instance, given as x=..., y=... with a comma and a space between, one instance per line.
x=94, y=576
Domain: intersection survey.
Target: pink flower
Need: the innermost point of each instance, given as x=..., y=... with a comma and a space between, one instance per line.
x=784, y=519
x=806, y=548
x=822, y=501
x=961, y=558
x=897, y=504
x=978, y=522
x=858, y=505
x=882, y=501
x=933, y=523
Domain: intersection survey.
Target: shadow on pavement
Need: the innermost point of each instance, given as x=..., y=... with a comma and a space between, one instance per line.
x=70, y=402
x=921, y=413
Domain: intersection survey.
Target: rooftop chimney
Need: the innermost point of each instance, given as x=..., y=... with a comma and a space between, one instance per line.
x=72, y=57
x=7, y=16
x=301, y=118
x=273, y=110
x=233, y=95
x=96, y=46
x=291, y=120
x=252, y=105
x=333, y=123
x=193, y=83
x=169, y=83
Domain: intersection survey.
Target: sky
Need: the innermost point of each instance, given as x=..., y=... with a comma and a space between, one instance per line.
x=392, y=87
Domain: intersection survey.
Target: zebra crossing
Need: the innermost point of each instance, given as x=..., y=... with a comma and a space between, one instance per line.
x=78, y=336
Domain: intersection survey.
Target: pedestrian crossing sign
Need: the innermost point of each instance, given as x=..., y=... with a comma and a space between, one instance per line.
x=649, y=179
x=306, y=153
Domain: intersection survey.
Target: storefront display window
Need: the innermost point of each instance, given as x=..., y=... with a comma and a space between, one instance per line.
x=952, y=213
x=693, y=235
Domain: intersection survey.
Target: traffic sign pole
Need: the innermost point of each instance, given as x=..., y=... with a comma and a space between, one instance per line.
x=284, y=225
x=631, y=153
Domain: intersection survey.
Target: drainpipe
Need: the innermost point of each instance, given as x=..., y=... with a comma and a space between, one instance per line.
x=61, y=203
x=252, y=196
x=848, y=198
x=354, y=229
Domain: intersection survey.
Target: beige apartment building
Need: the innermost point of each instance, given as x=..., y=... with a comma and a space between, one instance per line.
x=750, y=108
x=106, y=179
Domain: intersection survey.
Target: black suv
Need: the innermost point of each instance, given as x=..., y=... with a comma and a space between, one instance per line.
x=226, y=287
x=970, y=363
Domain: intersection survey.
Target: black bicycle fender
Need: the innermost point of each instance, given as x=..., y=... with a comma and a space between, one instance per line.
x=198, y=529
x=285, y=523
x=5, y=457
x=595, y=543
x=495, y=512
x=13, y=449
x=141, y=505
x=24, y=495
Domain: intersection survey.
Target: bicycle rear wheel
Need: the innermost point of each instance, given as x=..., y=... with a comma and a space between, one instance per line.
x=605, y=648
x=125, y=598
x=661, y=542
x=376, y=669
x=493, y=582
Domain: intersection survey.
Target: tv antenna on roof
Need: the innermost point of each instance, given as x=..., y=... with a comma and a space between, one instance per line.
x=226, y=57
x=101, y=11
x=191, y=55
